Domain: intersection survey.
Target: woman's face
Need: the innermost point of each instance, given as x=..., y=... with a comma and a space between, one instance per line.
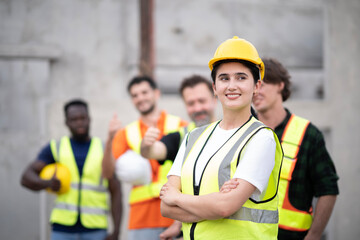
x=234, y=85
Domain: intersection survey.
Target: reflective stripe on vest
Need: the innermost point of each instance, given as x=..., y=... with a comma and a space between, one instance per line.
x=88, y=194
x=255, y=219
x=291, y=218
x=159, y=175
x=184, y=130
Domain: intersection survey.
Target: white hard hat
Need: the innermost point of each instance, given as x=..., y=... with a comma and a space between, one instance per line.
x=132, y=168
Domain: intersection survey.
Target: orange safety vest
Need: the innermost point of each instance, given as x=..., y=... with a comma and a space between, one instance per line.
x=145, y=194
x=291, y=218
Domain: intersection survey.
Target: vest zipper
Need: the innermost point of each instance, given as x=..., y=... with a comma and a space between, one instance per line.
x=79, y=201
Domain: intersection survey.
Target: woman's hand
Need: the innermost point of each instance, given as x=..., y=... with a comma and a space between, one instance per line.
x=229, y=185
x=169, y=194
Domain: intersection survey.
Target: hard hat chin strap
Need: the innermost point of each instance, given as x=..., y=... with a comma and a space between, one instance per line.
x=260, y=75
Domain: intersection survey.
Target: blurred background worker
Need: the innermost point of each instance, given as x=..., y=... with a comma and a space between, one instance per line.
x=200, y=104
x=307, y=169
x=145, y=220
x=81, y=212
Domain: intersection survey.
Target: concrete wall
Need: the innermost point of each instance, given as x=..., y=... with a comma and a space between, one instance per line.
x=51, y=51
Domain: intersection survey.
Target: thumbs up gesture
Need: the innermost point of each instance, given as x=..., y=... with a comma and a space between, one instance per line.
x=54, y=182
x=150, y=137
x=114, y=126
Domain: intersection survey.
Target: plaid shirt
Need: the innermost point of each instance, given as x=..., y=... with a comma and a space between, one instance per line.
x=314, y=174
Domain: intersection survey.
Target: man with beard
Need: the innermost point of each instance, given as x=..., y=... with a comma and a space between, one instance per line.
x=81, y=212
x=200, y=103
x=145, y=220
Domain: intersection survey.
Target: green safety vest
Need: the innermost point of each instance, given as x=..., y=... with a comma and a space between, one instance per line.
x=88, y=194
x=255, y=219
x=134, y=138
x=290, y=218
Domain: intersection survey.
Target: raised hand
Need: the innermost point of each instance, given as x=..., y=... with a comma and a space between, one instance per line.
x=150, y=137
x=114, y=125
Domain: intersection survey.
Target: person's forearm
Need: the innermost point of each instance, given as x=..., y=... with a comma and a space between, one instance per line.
x=33, y=182
x=116, y=208
x=210, y=206
x=216, y=205
x=323, y=210
x=30, y=178
x=178, y=214
x=156, y=151
x=108, y=163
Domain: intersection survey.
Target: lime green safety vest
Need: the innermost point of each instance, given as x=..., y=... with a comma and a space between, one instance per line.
x=88, y=194
x=255, y=219
x=133, y=136
x=291, y=218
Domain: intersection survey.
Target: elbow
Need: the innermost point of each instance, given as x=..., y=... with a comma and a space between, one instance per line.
x=224, y=210
x=24, y=182
x=225, y=213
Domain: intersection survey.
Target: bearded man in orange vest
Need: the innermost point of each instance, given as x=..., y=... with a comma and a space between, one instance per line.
x=145, y=220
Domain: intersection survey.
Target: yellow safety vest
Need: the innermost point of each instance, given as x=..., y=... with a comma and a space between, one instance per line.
x=291, y=218
x=88, y=194
x=133, y=136
x=255, y=219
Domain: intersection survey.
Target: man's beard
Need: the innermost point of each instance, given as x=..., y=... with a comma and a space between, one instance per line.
x=81, y=137
x=149, y=110
x=203, y=121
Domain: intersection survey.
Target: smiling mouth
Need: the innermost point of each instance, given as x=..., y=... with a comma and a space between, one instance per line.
x=233, y=95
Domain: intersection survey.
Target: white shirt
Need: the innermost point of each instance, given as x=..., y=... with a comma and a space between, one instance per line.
x=255, y=167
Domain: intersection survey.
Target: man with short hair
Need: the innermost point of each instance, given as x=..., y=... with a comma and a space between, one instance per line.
x=145, y=220
x=307, y=169
x=81, y=212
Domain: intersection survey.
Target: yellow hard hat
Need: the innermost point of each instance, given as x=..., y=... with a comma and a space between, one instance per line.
x=238, y=48
x=62, y=173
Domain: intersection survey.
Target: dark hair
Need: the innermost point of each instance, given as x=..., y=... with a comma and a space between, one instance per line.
x=75, y=102
x=276, y=73
x=140, y=79
x=251, y=66
x=194, y=80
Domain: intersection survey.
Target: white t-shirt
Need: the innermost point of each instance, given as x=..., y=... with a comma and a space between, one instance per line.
x=255, y=167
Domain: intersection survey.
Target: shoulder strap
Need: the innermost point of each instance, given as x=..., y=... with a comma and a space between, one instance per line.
x=133, y=136
x=55, y=149
x=293, y=135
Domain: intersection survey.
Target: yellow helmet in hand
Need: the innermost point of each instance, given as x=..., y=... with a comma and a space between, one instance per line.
x=61, y=172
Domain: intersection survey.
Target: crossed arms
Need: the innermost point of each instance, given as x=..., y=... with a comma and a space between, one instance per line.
x=189, y=208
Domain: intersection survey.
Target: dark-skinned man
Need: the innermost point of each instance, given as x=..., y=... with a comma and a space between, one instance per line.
x=82, y=212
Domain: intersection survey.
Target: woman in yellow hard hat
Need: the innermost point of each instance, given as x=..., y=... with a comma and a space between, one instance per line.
x=237, y=147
